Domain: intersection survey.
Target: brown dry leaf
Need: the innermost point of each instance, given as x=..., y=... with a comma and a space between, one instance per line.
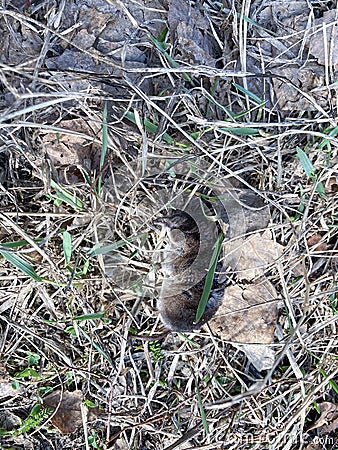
x=285, y=18
x=314, y=240
x=262, y=356
x=321, y=44
x=23, y=44
x=303, y=79
x=300, y=82
x=189, y=29
x=256, y=214
x=328, y=420
x=68, y=415
x=120, y=444
x=246, y=212
x=248, y=314
x=254, y=255
x=84, y=40
x=76, y=146
x=72, y=60
x=107, y=30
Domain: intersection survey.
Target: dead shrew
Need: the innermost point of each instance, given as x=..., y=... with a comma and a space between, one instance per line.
x=179, y=299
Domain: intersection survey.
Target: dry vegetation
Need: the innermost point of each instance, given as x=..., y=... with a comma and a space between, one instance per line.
x=105, y=106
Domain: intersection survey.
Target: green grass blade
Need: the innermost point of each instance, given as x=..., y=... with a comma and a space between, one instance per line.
x=332, y=382
x=161, y=37
x=21, y=264
x=150, y=127
x=305, y=162
x=202, y=411
x=209, y=278
x=310, y=171
x=161, y=47
x=65, y=196
x=200, y=405
x=249, y=94
x=320, y=189
x=242, y=131
x=91, y=316
x=16, y=244
x=97, y=250
x=85, y=267
x=67, y=246
x=326, y=142
x=96, y=346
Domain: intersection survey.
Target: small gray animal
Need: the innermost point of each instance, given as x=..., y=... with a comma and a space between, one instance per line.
x=178, y=302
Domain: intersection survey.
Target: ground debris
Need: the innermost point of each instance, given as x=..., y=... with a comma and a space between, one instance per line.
x=79, y=145
x=248, y=314
x=323, y=43
x=328, y=420
x=288, y=37
x=189, y=29
x=67, y=415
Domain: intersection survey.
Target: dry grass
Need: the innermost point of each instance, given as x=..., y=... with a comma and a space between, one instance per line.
x=186, y=392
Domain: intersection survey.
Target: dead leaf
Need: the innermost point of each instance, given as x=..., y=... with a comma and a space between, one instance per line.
x=248, y=314
x=247, y=318
x=106, y=31
x=256, y=213
x=299, y=81
x=328, y=420
x=313, y=241
x=76, y=146
x=246, y=213
x=21, y=45
x=67, y=406
x=262, y=356
x=120, y=444
x=76, y=60
x=325, y=44
x=189, y=28
x=84, y=40
x=253, y=255
x=7, y=390
x=294, y=81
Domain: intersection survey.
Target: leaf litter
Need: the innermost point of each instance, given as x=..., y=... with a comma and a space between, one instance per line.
x=68, y=408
